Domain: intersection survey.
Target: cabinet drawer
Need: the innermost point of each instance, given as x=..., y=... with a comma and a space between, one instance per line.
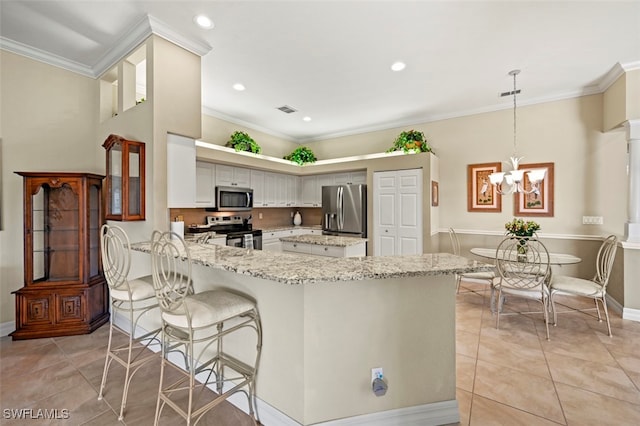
x=330, y=251
x=296, y=247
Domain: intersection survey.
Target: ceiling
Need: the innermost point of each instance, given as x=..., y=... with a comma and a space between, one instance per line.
x=330, y=60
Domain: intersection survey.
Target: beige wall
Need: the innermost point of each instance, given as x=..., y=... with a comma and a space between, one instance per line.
x=48, y=123
x=217, y=131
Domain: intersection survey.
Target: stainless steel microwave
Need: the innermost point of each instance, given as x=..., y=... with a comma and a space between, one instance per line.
x=233, y=199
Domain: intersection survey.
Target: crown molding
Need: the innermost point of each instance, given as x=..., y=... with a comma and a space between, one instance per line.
x=122, y=47
x=217, y=114
x=46, y=57
x=616, y=72
x=138, y=34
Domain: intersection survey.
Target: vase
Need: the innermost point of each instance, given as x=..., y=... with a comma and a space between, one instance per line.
x=297, y=219
x=522, y=250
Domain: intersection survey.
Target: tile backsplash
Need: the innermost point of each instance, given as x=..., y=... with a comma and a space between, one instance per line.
x=270, y=216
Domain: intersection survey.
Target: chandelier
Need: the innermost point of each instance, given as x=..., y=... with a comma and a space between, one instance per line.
x=514, y=179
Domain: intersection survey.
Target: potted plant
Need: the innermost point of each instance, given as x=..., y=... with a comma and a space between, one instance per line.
x=410, y=141
x=241, y=141
x=301, y=155
x=520, y=228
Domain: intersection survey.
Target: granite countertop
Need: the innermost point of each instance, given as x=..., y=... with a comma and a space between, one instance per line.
x=324, y=240
x=295, y=269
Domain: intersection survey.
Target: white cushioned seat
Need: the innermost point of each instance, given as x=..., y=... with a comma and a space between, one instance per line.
x=208, y=308
x=575, y=285
x=141, y=288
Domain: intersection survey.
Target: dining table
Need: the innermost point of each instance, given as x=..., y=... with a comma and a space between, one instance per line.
x=554, y=258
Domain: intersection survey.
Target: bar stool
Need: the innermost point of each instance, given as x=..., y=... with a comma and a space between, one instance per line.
x=197, y=324
x=132, y=298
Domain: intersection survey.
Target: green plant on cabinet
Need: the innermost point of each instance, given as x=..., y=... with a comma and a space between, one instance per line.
x=301, y=155
x=241, y=141
x=410, y=141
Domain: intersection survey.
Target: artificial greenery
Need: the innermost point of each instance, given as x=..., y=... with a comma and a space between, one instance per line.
x=520, y=228
x=241, y=141
x=410, y=141
x=301, y=155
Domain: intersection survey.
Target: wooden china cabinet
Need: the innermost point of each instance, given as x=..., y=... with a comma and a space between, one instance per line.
x=65, y=292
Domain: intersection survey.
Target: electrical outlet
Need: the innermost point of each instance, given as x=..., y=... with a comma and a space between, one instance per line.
x=375, y=373
x=292, y=214
x=592, y=220
x=259, y=215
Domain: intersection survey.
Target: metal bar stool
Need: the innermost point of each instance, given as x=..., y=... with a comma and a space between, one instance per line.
x=198, y=324
x=132, y=298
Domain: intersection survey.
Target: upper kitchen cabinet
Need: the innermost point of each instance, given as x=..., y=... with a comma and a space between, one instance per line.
x=125, y=181
x=181, y=171
x=257, y=184
x=312, y=189
x=205, y=184
x=351, y=178
x=233, y=176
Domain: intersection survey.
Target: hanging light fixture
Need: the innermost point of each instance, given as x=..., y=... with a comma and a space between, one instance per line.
x=514, y=178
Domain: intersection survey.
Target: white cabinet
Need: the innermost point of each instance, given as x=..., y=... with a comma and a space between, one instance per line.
x=292, y=191
x=271, y=241
x=351, y=178
x=308, y=188
x=181, y=171
x=233, y=176
x=312, y=189
x=270, y=190
x=397, y=212
x=205, y=184
x=257, y=184
x=325, y=250
x=281, y=190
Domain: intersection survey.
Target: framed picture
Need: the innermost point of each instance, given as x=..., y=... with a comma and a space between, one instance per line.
x=435, y=196
x=481, y=195
x=537, y=203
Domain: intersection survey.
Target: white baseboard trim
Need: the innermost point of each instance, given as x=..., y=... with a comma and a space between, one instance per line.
x=7, y=327
x=631, y=314
x=437, y=413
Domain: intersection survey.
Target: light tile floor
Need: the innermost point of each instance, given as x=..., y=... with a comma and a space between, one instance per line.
x=507, y=376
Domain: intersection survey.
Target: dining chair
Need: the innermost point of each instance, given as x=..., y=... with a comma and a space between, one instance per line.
x=474, y=277
x=132, y=298
x=523, y=269
x=197, y=324
x=595, y=288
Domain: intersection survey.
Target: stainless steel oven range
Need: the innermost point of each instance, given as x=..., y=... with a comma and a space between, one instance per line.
x=238, y=231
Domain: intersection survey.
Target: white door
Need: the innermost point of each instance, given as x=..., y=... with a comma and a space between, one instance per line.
x=397, y=212
x=384, y=213
x=409, y=208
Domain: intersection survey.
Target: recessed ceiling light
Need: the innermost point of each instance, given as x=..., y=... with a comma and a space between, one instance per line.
x=203, y=21
x=306, y=119
x=239, y=87
x=398, y=66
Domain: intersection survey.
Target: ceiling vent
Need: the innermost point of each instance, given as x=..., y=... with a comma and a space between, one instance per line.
x=287, y=109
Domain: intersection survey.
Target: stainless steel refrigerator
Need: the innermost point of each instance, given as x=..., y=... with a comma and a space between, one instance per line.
x=344, y=210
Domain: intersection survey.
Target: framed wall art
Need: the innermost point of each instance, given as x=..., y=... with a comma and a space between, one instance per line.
x=537, y=203
x=435, y=196
x=481, y=195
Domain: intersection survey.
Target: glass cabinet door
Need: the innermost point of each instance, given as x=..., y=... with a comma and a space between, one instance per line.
x=125, y=184
x=55, y=234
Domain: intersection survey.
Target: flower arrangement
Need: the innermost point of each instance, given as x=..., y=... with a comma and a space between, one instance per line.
x=520, y=228
x=301, y=155
x=241, y=141
x=410, y=141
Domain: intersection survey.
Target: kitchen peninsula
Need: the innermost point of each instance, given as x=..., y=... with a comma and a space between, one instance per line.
x=327, y=324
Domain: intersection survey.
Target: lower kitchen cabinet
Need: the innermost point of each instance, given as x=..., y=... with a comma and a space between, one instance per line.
x=355, y=250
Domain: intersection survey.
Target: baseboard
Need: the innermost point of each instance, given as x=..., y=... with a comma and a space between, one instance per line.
x=631, y=314
x=437, y=413
x=7, y=327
